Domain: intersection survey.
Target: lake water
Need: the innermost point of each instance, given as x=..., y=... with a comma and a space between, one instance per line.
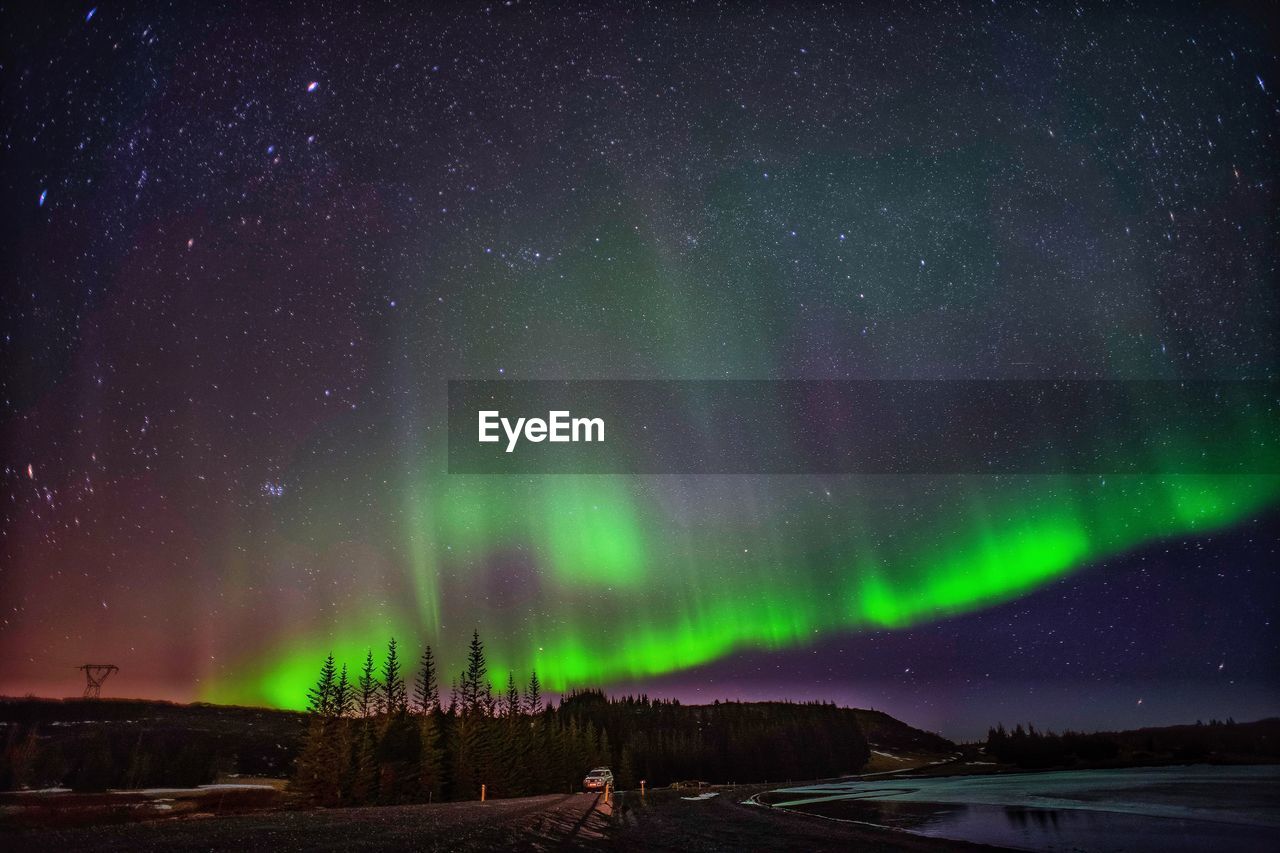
x=1196, y=808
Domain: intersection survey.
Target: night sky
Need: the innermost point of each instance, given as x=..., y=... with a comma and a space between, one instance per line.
x=246, y=245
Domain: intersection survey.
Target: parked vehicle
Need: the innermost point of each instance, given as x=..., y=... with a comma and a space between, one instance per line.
x=598, y=780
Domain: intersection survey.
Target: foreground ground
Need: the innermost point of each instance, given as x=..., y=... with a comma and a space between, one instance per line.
x=1188, y=808
x=529, y=823
x=663, y=820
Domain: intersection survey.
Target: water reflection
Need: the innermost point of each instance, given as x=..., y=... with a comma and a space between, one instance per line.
x=1044, y=819
x=1049, y=829
x=1181, y=808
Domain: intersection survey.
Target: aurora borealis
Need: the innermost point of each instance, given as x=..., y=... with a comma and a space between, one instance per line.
x=246, y=250
x=675, y=601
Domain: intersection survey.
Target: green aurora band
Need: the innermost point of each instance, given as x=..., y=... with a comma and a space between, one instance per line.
x=626, y=590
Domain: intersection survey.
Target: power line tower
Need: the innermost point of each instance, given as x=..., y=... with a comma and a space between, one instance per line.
x=94, y=675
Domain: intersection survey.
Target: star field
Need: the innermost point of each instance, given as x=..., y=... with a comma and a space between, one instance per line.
x=246, y=245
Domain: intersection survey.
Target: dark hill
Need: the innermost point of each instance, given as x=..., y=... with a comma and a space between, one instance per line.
x=892, y=735
x=132, y=743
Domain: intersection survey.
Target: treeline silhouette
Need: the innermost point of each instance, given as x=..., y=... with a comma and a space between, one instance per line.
x=1029, y=748
x=377, y=737
x=1224, y=741
x=96, y=744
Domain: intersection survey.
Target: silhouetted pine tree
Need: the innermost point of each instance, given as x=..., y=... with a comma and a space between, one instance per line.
x=398, y=757
x=512, y=744
x=591, y=746
x=533, y=695
x=367, y=688
x=320, y=768
x=626, y=775
x=343, y=695
x=603, y=754
x=427, y=691
x=464, y=751
x=488, y=701
x=574, y=753
x=453, y=697
x=431, y=770
x=364, y=765
x=395, y=699
x=474, y=686
x=320, y=697
x=511, y=703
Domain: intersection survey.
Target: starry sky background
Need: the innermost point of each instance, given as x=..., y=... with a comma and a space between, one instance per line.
x=244, y=248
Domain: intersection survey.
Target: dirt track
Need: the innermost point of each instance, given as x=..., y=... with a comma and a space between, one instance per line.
x=663, y=821
x=532, y=823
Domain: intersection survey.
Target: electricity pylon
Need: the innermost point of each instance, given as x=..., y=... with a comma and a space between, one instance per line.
x=94, y=675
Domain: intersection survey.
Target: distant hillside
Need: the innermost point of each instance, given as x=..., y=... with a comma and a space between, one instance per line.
x=199, y=715
x=892, y=735
x=132, y=743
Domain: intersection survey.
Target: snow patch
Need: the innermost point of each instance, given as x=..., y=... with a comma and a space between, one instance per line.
x=226, y=786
